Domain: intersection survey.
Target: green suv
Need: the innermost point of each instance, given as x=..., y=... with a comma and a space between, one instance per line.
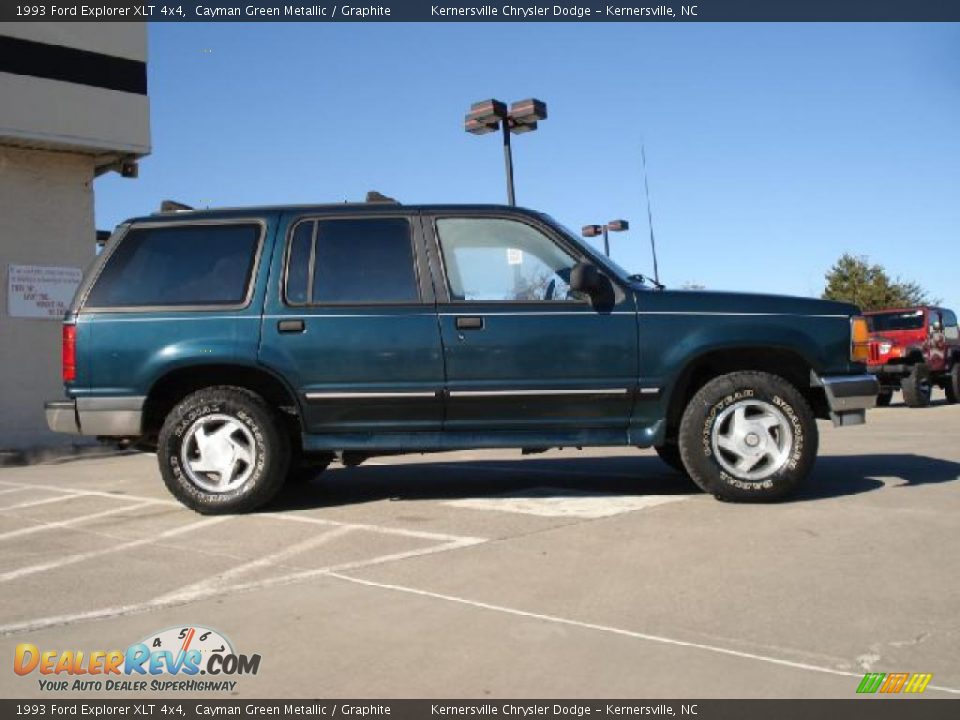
x=243, y=344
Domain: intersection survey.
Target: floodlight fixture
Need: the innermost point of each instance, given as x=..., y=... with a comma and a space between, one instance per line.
x=612, y=226
x=487, y=116
x=525, y=112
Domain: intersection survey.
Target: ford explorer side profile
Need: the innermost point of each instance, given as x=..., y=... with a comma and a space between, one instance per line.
x=241, y=344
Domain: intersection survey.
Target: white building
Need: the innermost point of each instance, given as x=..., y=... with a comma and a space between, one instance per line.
x=73, y=105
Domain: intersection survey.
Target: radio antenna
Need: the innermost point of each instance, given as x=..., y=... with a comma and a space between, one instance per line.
x=646, y=187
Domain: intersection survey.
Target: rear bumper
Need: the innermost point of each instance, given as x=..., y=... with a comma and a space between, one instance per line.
x=849, y=396
x=102, y=416
x=62, y=416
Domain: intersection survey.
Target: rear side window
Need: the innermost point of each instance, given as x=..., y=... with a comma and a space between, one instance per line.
x=353, y=260
x=178, y=266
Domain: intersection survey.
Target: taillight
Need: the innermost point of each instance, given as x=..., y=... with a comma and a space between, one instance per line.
x=69, y=354
x=859, y=340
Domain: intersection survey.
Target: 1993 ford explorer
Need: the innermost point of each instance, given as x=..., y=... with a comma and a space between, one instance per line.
x=244, y=343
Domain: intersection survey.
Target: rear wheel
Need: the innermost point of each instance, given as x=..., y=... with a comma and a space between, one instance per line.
x=952, y=386
x=670, y=454
x=748, y=436
x=884, y=398
x=223, y=450
x=916, y=387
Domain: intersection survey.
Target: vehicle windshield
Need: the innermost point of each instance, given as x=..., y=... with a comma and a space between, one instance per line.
x=604, y=260
x=909, y=320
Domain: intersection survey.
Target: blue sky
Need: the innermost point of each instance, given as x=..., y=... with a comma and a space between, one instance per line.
x=772, y=149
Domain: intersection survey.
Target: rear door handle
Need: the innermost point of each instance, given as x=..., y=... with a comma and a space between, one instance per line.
x=469, y=323
x=291, y=326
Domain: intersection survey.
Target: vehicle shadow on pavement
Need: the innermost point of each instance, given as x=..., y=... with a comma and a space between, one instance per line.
x=455, y=480
x=835, y=476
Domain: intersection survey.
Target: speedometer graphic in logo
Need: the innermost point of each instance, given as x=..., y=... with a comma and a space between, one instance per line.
x=183, y=639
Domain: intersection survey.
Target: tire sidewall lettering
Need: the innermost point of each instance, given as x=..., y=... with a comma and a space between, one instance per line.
x=796, y=425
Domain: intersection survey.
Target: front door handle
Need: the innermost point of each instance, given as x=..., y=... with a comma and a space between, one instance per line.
x=291, y=326
x=469, y=323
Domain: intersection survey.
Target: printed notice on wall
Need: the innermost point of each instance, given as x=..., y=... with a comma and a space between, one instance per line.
x=38, y=291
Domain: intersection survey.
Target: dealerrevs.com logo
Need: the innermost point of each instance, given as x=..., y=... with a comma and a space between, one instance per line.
x=167, y=661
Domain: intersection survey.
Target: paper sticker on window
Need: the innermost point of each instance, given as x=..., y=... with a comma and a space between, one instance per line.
x=514, y=256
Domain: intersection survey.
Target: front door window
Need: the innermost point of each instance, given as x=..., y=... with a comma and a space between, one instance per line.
x=497, y=260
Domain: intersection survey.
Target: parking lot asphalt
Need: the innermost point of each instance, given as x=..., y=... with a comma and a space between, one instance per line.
x=597, y=573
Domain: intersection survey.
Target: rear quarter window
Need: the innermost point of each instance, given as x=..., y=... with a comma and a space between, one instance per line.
x=182, y=265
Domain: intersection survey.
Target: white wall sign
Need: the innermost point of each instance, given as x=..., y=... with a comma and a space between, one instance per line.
x=37, y=291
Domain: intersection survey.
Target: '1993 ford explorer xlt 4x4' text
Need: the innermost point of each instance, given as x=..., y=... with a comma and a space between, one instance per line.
x=242, y=343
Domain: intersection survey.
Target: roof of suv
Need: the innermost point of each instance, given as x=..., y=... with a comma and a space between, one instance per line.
x=372, y=208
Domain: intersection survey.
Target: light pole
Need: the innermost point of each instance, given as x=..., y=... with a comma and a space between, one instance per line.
x=612, y=226
x=488, y=116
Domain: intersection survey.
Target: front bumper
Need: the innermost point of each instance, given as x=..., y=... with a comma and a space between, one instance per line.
x=849, y=396
x=894, y=369
x=101, y=416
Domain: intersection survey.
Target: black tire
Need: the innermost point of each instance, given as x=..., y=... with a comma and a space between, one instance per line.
x=763, y=398
x=260, y=431
x=917, y=388
x=884, y=398
x=952, y=385
x=670, y=454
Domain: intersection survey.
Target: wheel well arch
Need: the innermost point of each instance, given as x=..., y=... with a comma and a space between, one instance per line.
x=786, y=363
x=170, y=388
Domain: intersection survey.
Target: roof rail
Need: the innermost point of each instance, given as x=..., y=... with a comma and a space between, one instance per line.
x=173, y=206
x=374, y=197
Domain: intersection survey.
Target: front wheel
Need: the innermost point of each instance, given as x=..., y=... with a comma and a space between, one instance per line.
x=916, y=388
x=223, y=450
x=748, y=437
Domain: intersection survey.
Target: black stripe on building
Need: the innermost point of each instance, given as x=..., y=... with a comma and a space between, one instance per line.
x=56, y=62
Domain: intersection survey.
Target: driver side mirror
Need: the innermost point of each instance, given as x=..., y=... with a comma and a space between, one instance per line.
x=585, y=278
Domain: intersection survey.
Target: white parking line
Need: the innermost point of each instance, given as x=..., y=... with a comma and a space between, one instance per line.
x=45, y=501
x=301, y=575
x=382, y=529
x=40, y=527
x=80, y=557
x=181, y=598
x=93, y=493
x=12, y=490
x=218, y=581
x=286, y=516
x=611, y=630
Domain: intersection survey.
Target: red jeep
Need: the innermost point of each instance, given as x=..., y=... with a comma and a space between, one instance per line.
x=913, y=349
